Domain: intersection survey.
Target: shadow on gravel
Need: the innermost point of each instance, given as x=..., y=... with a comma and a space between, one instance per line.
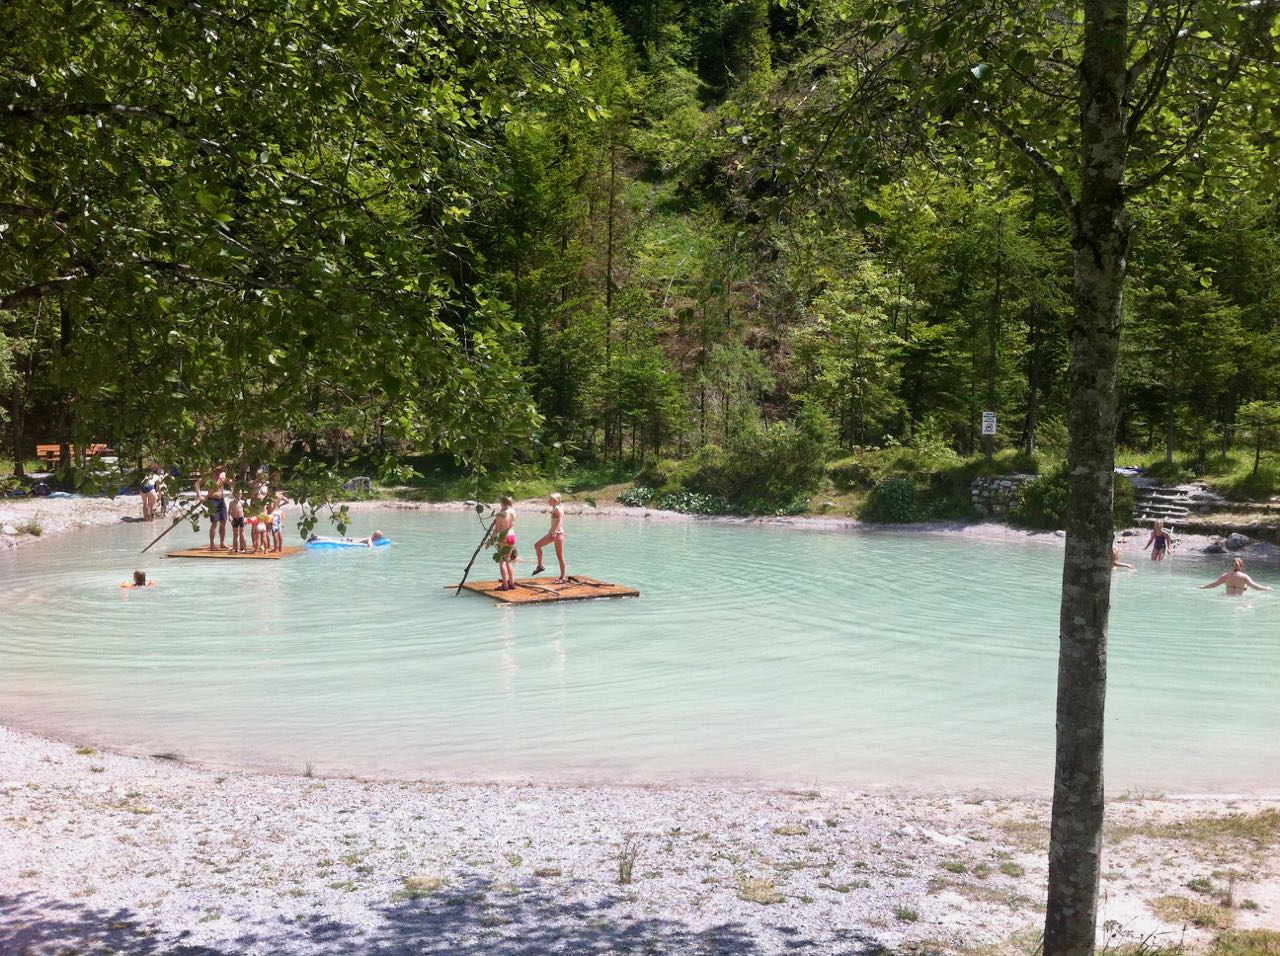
x=471, y=918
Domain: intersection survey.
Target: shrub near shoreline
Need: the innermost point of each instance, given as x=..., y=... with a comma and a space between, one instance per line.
x=1043, y=502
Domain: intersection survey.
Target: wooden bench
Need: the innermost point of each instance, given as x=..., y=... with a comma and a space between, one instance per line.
x=51, y=455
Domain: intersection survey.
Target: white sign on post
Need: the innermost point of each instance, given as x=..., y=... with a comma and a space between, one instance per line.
x=988, y=423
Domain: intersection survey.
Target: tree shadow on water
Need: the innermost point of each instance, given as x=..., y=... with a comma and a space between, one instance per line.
x=471, y=918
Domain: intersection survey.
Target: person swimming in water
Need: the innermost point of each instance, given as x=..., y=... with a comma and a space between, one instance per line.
x=368, y=541
x=139, y=581
x=554, y=536
x=1236, y=581
x=1160, y=542
x=1117, y=563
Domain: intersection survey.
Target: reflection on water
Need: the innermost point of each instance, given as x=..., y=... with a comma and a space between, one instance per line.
x=754, y=653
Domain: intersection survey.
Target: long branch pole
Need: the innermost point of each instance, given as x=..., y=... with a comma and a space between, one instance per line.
x=176, y=521
x=483, y=541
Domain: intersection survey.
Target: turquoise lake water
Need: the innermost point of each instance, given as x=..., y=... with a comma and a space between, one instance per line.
x=755, y=653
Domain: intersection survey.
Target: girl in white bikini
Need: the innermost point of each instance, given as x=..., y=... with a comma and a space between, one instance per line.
x=556, y=535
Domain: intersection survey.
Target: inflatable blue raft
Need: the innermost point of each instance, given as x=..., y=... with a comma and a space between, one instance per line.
x=380, y=543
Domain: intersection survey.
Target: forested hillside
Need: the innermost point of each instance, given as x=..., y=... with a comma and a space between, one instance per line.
x=642, y=234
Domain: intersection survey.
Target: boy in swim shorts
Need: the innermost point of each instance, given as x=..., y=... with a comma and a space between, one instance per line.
x=236, y=510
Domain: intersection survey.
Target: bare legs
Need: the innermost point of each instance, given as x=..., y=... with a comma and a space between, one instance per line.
x=558, y=540
x=220, y=527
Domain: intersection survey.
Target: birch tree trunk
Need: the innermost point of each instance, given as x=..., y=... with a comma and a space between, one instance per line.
x=1101, y=242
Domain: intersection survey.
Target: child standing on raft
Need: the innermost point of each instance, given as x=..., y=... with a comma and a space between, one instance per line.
x=277, y=522
x=236, y=511
x=556, y=536
x=503, y=539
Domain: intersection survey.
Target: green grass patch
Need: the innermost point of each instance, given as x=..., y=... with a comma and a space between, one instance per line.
x=757, y=890
x=420, y=885
x=1230, y=474
x=1254, y=942
x=1183, y=909
x=440, y=481
x=1261, y=829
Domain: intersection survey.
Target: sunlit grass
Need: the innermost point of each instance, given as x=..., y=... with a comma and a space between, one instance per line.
x=1262, y=829
x=1230, y=474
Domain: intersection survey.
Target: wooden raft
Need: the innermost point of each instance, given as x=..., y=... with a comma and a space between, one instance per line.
x=234, y=555
x=542, y=591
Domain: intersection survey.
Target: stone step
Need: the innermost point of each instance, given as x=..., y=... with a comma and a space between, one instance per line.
x=1159, y=497
x=1165, y=510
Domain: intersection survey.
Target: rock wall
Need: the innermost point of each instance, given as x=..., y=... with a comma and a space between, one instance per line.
x=997, y=495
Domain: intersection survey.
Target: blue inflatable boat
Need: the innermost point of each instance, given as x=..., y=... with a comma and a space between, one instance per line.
x=380, y=543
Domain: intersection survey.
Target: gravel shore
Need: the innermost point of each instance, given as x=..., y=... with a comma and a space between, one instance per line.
x=110, y=853
x=107, y=852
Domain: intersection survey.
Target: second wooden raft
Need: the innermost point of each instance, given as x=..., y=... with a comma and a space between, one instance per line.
x=543, y=591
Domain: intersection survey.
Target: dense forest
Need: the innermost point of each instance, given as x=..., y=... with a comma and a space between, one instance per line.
x=659, y=238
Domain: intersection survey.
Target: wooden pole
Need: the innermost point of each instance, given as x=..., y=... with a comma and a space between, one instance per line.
x=476, y=554
x=176, y=521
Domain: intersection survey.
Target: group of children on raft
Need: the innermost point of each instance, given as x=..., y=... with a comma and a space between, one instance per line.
x=502, y=539
x=261, y=512
x=1161, y=542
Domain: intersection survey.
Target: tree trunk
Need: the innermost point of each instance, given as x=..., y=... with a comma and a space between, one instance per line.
x=608, y=253
x=1033, y=380
x=65, y=331
x=19, y=471
x=1100, y=240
